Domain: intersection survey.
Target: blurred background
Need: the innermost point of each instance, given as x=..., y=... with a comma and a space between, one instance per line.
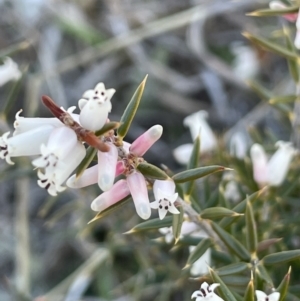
x=196, y=59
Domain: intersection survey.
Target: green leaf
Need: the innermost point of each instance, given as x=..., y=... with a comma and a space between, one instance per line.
x=131, y=109
x=223, y=290
x=263, y=274
x=111, y=209
x=151, y=224
x=218, y=212
x=107, y=127
x=233, y=268
x=282, y=99
x=200, y=249
x=265, y=244
x=234, y=245
x=281, y=257
x=193, y=163
x=283, y=286
x=273, y=12
x=293, y=64
x=261, y=91
x=271, y=46
x=241, y=207
x=197, y=173
x=251, y=232
x=84, y=164
x=177, y=224
x=152, y=171
x=249, y=294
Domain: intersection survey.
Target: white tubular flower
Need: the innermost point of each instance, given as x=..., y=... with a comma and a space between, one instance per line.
x=260, y=164
x=24, y=124
x=89, y=177
x=107, y=163
x=9, y=71
x=274, y=171
x=200, y=266
x=25, y=144
x=206, y=292
x=198, y=126
x=168, y=233
x=279, y=163
x=261, y=296
x=238, y=145
x=59, y=158
x=165, y=196
x=95, y=106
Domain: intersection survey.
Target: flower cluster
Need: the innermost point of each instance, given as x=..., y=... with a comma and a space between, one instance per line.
x=206, y=293
x=59, y=144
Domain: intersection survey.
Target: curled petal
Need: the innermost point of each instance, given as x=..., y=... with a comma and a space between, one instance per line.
x=138, y=189
x=107, y=167
x=108, y=198
x=146, y=140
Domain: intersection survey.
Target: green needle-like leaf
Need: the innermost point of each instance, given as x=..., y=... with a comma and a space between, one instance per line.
x=282, y=99
x=84, y=164
x=251, y=232
x=152, y=171
x=107, y=127
x=263, y=274
x=260, y=90
x=233, y=268
x=177, y=224
x=281, y=257
x=283, y=286
x=249, y=294
x=198, y=251
x=151, y=224
x=131, y=109
x=271, y=46
x=274, y=12
x=241, y=207
x=223, y=290
x=234, y=245
x=218, y=212
x=197, y=173
x=193, y=163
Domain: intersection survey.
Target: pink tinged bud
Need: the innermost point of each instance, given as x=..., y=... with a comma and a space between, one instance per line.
x=259, y=161
x=120, y=168
x=280, y=5
x=95, y=106
x=107, y=167
x=108, y=198
x=138, y=189
x=89, y=177
x=25, y=144
x=279, y=163
x=146, y=140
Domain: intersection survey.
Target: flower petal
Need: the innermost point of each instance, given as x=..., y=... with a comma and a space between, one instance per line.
x=89, y=177
x=259, y=161
x=183, y=153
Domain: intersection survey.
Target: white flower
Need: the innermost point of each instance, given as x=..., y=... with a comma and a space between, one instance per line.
x=274, y=171
x=198, y=126
x=165, y=196
x=59, y=158
x=9, y=71
x=95, y=106
x=25, y=144
x=261, y=296
x=206, y=292
x=238, y=145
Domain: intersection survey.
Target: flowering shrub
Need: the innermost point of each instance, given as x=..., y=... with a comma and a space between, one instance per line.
x=209, y=232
